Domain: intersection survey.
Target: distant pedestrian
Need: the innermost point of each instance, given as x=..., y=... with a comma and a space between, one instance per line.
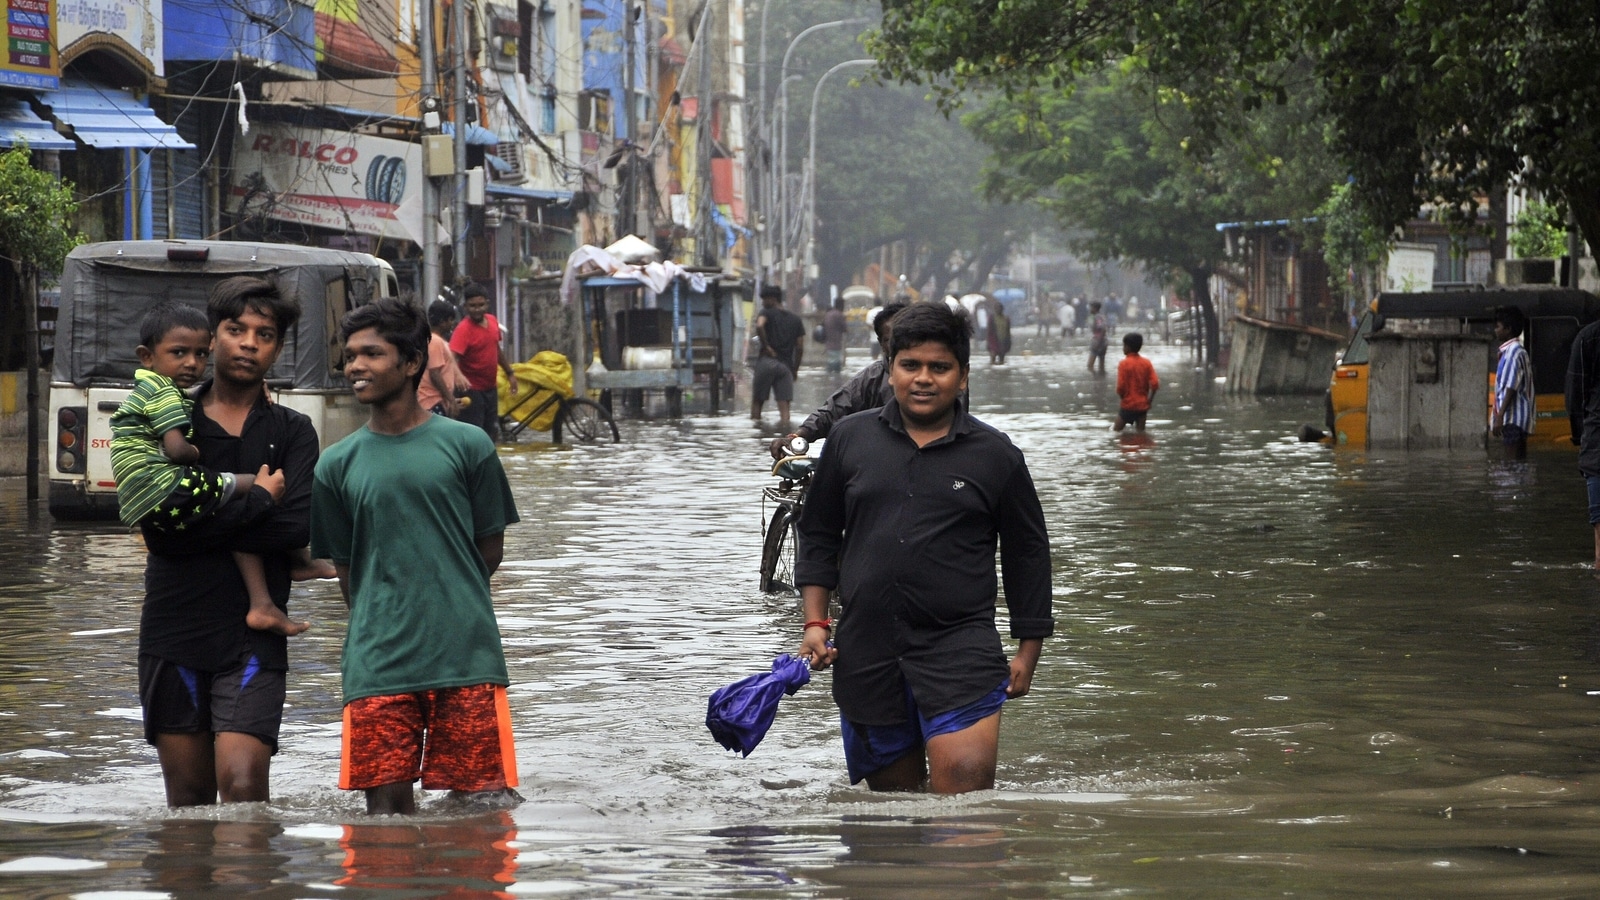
x=782, y=347
x=476, y=344
x=999, y=338
x=1136, y=384
x=1099, y=328
x=1512, y=419
x=1045, y=315
x=834, y=327
x=1583, y=412
x=442, y=381
x=412, y=509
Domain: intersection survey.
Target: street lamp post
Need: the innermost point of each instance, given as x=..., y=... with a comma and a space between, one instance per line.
x=783, y=113
x=810, y=182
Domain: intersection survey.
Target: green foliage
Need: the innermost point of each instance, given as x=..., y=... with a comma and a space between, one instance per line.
x=1428, y=101
x=1541, y=232
x=35, y=214
x=1352, y=243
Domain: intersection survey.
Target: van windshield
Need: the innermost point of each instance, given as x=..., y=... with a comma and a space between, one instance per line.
x=1356, y=353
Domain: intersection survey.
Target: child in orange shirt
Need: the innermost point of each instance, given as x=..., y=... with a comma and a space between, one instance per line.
x=1136, y=384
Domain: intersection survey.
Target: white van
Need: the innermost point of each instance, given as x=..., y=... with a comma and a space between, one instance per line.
x=106, y=289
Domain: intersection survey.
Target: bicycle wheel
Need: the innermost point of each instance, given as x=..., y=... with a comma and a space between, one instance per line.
x=584, y=421
x=777, y=553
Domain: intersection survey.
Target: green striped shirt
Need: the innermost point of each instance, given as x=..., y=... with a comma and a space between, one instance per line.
x=144, y=474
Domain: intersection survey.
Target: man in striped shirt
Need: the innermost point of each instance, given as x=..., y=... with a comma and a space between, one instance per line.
x=1512, y=419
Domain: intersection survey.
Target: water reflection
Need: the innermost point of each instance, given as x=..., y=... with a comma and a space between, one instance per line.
x=1277, y=669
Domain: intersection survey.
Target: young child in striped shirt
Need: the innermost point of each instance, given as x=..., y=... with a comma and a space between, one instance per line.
x=158, y=483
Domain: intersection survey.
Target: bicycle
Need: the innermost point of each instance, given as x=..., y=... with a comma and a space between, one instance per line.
x=783, y=529
x=579, y=417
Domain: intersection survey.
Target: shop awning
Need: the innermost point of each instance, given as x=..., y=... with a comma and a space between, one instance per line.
x=18, y=125
x=522, y=193
x=107, y=118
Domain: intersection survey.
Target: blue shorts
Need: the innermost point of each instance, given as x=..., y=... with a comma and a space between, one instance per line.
x=1593, y=481
x=869, y=748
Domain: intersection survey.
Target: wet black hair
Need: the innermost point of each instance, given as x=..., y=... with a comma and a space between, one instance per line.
x=880, y=323
x=771, y=290
x=164, y=317
x=401, y=324
x=1512, y=318
x=232, y=296
x=1133, y=340
x=473, y=289
x=441, y=312
x=922, y=323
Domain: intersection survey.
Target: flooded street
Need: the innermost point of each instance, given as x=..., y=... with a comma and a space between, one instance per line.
x=1277, y=669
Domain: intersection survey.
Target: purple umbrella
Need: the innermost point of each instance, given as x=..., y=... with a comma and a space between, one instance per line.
x=740, y=714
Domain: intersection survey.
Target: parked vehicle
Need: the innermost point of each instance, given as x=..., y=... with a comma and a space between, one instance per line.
x=106, y=288
x=1554, y=317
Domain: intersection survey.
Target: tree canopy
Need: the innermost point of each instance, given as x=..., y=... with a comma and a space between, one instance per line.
x=1112, y=161
x=1429, y=101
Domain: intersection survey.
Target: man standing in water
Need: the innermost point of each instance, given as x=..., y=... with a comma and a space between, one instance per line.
x=1583, y=412
x=424, y=672
x=212, y=688
x=479, y=353
x=782, y=346
x=903, y=516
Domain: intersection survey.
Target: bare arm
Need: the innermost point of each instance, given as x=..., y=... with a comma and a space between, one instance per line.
x=1023, y=666
x=447, y=392
x=814, y=644
x=492, y=547
x=177, y=448
x=511, y=377
x=344, y=582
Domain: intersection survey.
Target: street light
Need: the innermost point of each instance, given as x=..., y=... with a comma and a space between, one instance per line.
x=810, y=183
x=783, y=103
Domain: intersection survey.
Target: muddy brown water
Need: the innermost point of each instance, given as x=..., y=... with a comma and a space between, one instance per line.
x=1277, y=670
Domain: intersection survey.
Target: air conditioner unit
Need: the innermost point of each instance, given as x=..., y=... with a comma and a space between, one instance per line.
x=514, y=163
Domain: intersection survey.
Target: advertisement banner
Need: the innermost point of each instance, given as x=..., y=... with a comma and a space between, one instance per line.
x=135, y=23
x=31, y=38
x=346, y=182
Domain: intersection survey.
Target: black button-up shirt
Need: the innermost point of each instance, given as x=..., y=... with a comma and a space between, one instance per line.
x=195, y=599
x=908, y=537
x=1583, y=397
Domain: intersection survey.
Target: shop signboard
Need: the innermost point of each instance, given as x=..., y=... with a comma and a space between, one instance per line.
x=31, y=38
x=354, y=183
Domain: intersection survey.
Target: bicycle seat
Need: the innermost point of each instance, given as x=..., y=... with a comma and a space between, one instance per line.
x=793, y=468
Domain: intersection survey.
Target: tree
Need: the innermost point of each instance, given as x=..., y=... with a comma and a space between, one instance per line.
x=36, y=234
x=892, y=168
x=1430, y=101
x=1111, y=160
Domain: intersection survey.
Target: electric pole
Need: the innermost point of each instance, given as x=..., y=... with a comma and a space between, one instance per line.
x=430, y=189
x=458, y=217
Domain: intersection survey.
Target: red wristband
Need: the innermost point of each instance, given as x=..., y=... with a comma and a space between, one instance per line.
x=820, y=623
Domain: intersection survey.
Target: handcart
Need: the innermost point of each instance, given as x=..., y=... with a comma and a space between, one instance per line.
x=545, y=402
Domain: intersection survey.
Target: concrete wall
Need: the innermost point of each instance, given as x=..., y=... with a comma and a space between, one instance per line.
x=14, y=420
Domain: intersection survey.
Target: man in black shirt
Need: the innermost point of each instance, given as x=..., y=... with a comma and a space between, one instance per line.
x=212, y=687
x=1583, y=413
x=781, y=334
x=903, y=517
x=867, y=389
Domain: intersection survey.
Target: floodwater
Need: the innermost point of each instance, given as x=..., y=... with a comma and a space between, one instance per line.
x=1278, y=669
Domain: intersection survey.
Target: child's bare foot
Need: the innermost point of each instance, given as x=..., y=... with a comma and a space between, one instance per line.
x=274, y=620
x=312, y=570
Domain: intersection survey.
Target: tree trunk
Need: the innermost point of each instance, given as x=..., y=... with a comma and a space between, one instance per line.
x=988, y=257
x=1585, y=207
x=28, y=281
x=1200, y=279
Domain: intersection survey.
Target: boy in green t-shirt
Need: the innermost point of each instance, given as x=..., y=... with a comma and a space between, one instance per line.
x=423, y=665
x=158, y=483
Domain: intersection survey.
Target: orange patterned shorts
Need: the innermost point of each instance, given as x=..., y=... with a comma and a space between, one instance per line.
x=454, y=739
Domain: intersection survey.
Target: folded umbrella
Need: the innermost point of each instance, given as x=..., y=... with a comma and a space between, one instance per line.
x=740, y=714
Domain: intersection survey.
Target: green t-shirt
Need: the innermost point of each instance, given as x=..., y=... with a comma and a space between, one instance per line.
x=404, y=513
x=144, y=475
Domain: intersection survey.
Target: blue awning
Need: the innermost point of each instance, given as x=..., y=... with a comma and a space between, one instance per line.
x=105, y=117
x=18, y=125
x=522, y=193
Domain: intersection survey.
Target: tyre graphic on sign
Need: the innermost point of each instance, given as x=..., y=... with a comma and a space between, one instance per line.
x=386, y=179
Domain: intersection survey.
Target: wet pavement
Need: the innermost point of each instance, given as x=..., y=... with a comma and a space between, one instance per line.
x=1277, y=669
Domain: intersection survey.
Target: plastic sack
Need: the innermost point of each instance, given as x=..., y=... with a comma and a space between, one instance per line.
x=740, y=714
x=547, y=371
